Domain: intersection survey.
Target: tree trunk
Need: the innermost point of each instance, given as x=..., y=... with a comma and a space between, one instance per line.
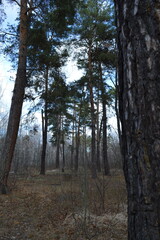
x=104, y=120
x=93, y=117
x=72, y=146
x=117, y=107
x=63, y=148
x=57, y=152
x=105, y=145
x=138, y=25
x=58, y=141
x=44, y=126
x=63, y=161
x=17, y=99
x=77, y=144
x=98, y=138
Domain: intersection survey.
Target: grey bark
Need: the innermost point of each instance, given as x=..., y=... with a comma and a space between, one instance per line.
x=138, y=26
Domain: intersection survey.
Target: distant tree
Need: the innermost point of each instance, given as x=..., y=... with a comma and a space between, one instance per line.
x=45, y=53
x=138, y=28
x=44, y=114
x=27, y=7
x=58, y=112
x=95, y=33
x=81, y=114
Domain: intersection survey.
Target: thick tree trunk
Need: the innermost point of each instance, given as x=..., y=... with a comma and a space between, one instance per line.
x=44, y=126
x=138, y=25
x=17, y=99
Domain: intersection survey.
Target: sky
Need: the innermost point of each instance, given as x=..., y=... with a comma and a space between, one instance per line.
x=6, y=71
x=8, y=74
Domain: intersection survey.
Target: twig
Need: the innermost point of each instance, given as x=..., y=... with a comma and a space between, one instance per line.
x=7, y=33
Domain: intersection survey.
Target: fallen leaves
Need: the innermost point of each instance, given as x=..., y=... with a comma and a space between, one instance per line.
x=41, y=209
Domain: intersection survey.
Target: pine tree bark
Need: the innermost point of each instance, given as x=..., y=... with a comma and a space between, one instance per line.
x=17, y=99
x=138, y=25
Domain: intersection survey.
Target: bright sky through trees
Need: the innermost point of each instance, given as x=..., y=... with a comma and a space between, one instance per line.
x=7, y=73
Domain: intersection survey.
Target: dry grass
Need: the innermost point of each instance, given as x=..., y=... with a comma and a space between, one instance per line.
x=64, y=207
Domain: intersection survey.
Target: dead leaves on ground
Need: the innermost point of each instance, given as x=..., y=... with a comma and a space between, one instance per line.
x=50, y=208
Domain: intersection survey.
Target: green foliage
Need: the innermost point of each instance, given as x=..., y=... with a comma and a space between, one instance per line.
x=49, y=29
x=95, y=31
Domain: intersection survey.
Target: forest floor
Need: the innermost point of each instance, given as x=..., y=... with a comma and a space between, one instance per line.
x=61, y=206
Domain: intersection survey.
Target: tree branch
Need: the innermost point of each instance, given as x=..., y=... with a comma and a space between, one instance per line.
x=17, y=2
x=7, y=33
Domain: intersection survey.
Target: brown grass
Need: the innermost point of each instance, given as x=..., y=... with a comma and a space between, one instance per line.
x=64, y=207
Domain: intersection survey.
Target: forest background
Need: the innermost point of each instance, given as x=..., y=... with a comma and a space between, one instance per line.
x=72, y=76
x=61, y=163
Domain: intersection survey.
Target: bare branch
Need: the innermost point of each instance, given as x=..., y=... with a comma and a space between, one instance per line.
x=17, y=2
x=7, y=33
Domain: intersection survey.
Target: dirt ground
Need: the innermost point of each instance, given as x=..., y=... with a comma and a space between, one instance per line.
x=64, y=207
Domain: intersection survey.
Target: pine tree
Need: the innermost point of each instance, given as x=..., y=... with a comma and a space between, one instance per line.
x=46, y=54
x=17, y=99
x=94, y=30
x=139, y=108
x=29, y=11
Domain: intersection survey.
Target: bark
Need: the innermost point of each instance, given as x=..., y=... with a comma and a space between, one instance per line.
x=117, y=108
x=44, y=126
x=93, y=117
x=17, y=99
x=138, y=25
